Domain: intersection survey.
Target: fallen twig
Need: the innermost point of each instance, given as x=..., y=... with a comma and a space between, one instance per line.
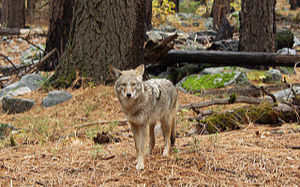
x=108, y=158
x=119, y=122
x=32, y=44
x=35, y=66
x=6, y=58
x=269, y=94
x=292, y=147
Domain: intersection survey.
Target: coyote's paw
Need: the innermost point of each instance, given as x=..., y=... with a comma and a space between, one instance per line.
x=139, y=166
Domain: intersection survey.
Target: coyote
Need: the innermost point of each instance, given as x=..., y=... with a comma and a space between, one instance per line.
x=145, y=103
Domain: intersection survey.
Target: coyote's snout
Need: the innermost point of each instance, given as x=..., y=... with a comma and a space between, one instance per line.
x=145, y=103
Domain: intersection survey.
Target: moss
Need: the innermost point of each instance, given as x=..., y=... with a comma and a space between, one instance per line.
x=209, y=81
x=262, y=114
x=232, y=98
x=220, y=122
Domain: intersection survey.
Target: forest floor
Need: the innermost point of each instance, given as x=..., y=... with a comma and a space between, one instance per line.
x=51, y=151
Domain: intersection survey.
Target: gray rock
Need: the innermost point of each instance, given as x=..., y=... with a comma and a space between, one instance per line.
x=209, y=23
x=286, y=94
x=287, y=51
x=225, y=45
x=27, y=84
x=185, y=16
x=296, y=41
x=184, y=24
x=272, y=76
x=154, y=35
x=12, y=105
x=56, y=97
x=213, y=70
x=286, y=70
x=196, y=24
x=33, y=53
x=167, y=28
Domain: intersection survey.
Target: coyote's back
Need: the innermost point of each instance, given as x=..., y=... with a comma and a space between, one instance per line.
x=145, y=103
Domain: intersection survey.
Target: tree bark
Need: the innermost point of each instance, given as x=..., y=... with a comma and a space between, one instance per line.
x=148, y=15
x=257, y=30
x=176, y=2
x=102, y=33
x=220, y=9
x=60, y=22
x=230, y=58
x=293, y=4
x=13, y=13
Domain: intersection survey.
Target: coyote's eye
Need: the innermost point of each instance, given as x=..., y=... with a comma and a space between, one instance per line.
x=133, y=84
x=123, y=85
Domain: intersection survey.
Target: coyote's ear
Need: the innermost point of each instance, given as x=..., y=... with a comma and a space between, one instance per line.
x=140, y=70
x=114, y=72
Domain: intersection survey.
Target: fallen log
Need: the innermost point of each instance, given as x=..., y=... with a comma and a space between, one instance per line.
x=17, y=31
x=238, y=99
x=249, y=91
x=273, y=115
x=230, y=58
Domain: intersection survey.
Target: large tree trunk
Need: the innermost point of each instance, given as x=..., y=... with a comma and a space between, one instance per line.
x=101, y=33
x=13, y=13
x=60, y=22
x=257, y=30
x=219, y=10
x=148, y=15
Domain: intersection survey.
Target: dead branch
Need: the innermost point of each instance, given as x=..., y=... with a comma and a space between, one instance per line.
x=239, y=99
x=6, y=58
x=231, y=58
x=269, y=94
x=17, y=31
x=32, y=44
x=153, y=51
x=292, y=147
x=29, y=69
x=249, y=91
x=119, y=122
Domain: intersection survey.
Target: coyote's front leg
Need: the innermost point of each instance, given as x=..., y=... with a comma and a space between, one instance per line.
x=141, y=144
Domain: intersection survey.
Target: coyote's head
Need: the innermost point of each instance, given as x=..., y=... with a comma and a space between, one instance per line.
x=129, y=83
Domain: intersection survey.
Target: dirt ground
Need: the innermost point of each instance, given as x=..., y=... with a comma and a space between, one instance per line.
x=53, y=152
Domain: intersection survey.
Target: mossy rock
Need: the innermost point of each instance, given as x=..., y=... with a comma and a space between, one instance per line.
x=211, y=81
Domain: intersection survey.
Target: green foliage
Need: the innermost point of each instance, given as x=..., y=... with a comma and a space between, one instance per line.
x=196, y=82
x=236, y=4
x=189, y=6
x=205, y=8
x=162, y=11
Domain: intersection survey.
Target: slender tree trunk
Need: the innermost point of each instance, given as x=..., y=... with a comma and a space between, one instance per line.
x=102, y=33
x=176, y=2
x=257, y=30
x=220, y=9
x=148, y=15
x=30, y=9
x=13, y=13
x=293, y=4
x=60, y=22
